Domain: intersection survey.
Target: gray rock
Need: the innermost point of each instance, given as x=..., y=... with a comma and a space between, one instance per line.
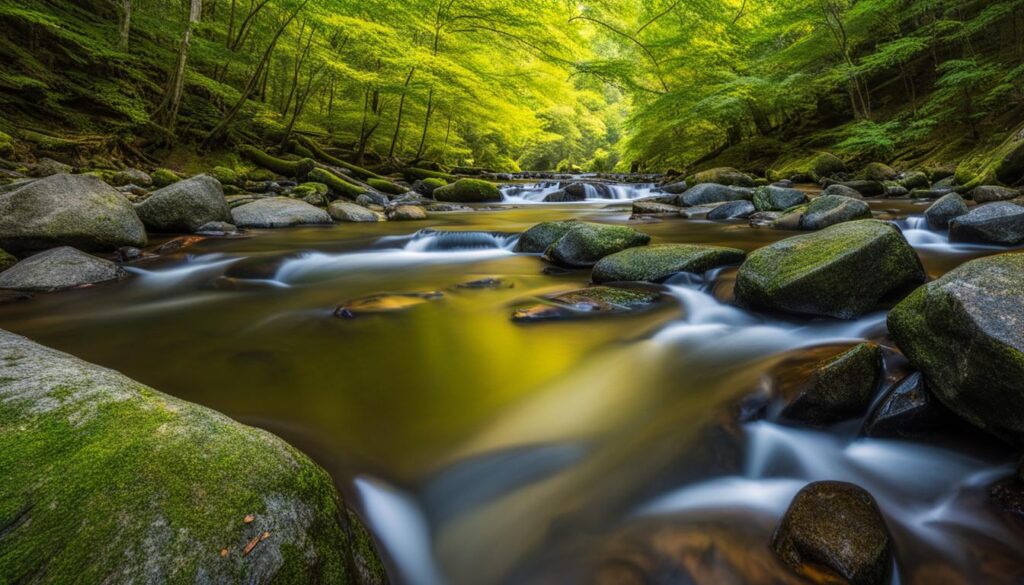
x=911, y=180
x=722, y=176
x=990, y=193
x=217, y=228
x=865, y=188
x=843, y=191
x=677, y=188
x=761, y=219
x=59, y=269
x=47, y=167
x=732, y=210
x=183, y=207
x=346, y=211
x=940, y=213
x=909, y=410
x=829, y=210
x=407, y=213
x=563, y=196
x=132, y=177
x=653, y=208
x=74, y=210
x=706, y=193
x=278, y=212
x=998, y=223
x=368, y=199
x=777, y=198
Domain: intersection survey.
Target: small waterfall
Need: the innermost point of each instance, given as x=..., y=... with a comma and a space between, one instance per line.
x=429, y=240
x=535, y=193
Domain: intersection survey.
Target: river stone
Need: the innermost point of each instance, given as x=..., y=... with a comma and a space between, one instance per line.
x=908, y=410
x=563, y=196
x=777, y=198
x=839, y=389
x=586, y=243
x=217, y=228
x=47, y=167
x=132, y=177
x=677, y=188
x=278, y=212
x=827, y=165
x=944, y=210
x=539, y=237
x=761, y=219
x=185, y=206
x=368, y=199
x=865, y=188
x=877, y=172
x=587, y=302
x=74, y=210
x=347, y=211
x=963, y=333
x=407, y=213
x=833, y=532
x=843, y=191
x=842, y=271
x=721, y=176
x=59, y=269
x=706, y=193
x=653, y=208
x=990, y=193
x=469, y=191
x=829, y=210
x=998, y=223
x=145, y=488
x=657, y=263
x=914, y=180
x=732, y=210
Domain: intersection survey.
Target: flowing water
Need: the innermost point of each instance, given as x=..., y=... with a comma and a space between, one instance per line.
x=483, y=451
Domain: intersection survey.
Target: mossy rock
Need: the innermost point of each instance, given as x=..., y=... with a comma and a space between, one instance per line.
x=721, y=176
x=827, y=165
x=226, y=176
x=108, y=481
x=995, y=163
x=6, y=144
x=469, y=191
x=840, y=388
x=260, y=175
x=589, y=302
x=287, y=168
x=164, y=177
x=586, y=243
x=962, y=332
x=539, y=237
x=777, y=198
x=432, y=184
x=657, y=263
x=312, y=188
x=6, y=260
x=944, y=210
x=385, y=186
x=843, y=271
x=185, y=206
x=1001, y=222
x=877, y=172
x=707, y=193
x=829, y=210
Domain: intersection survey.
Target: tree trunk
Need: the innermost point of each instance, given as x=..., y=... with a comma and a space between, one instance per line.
x=401, y=111
x=426, y=124
x=167, y=114
x=125, y=25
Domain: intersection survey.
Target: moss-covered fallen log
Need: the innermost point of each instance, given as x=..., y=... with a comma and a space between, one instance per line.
x=336, y=183
x=385, y=186
x=296, y=148
x=299, y=168
x=327, y=158
x=415, y=174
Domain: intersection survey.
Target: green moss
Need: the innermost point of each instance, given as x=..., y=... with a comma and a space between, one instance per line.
x=840, y=388
x=656, y=263
x=777, y=198
x=469, y=191
x=414, y=174
x=539, y=237
x=432, y=184
x=336, y=183
x=307, y=189
x=586, y=243
x=877, y=172
x=164, y=177
x=332, y=160
x=6, y=260
x=385, y=186
x=6, y=144
x=721, y=176
x=807, y=167
x=299, y=168
x=226, y=176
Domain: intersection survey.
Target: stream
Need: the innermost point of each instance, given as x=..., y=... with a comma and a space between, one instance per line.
x=482, y=451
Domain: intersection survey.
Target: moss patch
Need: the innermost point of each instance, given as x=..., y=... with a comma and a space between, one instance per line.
x=468, y=191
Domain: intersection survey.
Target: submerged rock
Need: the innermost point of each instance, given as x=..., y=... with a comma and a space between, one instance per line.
x=653, y=208
x=948, y=207
x=657, y=263
x=829, y=210
x=998, y=223
x=347, y=211
x=777, y=198
x=185, y=206
x=907, y=410
x=732, y=210
x=59, y=269
x=842, y=271
x=833, y=532
x=596, y=300
x=485, y=283
x=839, y=389
x=469, y=191
x=706, y=193
x=145, y=488
x=278, y=212
x=72, y=210
x=963, y=333
x=217, y=228
x=586, y=243
x=384, y=303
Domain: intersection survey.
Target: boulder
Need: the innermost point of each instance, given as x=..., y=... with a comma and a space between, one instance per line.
x=347, y=211
x=707, y=193
x=74, y=210
x=827, y=165
x=47, y=167
x=586, y=243
x=833, y=532
x=657, y=263
x=914, y=180
x=777, y=198
x=842, y=191
x=367, y=199
x=587, y=302
x=427, y=186
x=945, y=209
x=6, y=260
x=109, y=481
x=839, y=388
x=59, y=269
x=469, y=191
x=877, y=172
x=763, y=219
x=677, y=188
x=217, y=228
x=843, y=271
x=908, y=410
x=962, y=332
x=563, y=196
x=865, y=188
x=164, y=177
x=653, y=208
x=990, y=193
x=935, y=193
x=539, y=237
x=132, y=177
x=227, y=176
x=732, y=210
x=185, y=206
x=997, y=223
x=407, y=213
x=721, y=176
x=278, y=212
x=829, y=210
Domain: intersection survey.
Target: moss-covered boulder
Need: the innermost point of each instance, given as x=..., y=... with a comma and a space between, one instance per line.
x=469, y=191
x=1001, y=222
x=539, y=237
x=877, y=172
x=385, y=186
x=829, y=210
x=707, y=193
x=428, y=186
x=721, y=176
x=914, y=180
x=47, y=167
x=833, y=532
x=963, y=333
x=311, y=188
x=73, y=210
x=164, y=177
x=286, y=168
x=842, y=271
x=657, y=263
x=226, y=176
x=741, y=209
x=827, y=165
x=771, y=198
x=586, y=243
x=59, y=269
x=131, y=177
x=185, y=206
x=278, y=212
x=839, y=388
x=416, y=174
x=944, y=210
x=108, y=481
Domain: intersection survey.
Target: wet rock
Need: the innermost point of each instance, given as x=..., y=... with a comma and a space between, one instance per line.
x=178, y=244
x=657, y=263
x=59, y=269
x=6, y=260
x=829, y=210
x=963, y=333
x=877, y=172
x=586, y=243
x=948, y=207
x=677, y=188
x=384, y=303
x=47, y=167
x=427, y=186
x=842, y=191
x=893, y=191
x=98, y=458
x=908, y=410
x=721, y=176
x=763, y=219
x=217, y=228
x=469, y=191
x=563, y=196
x=990, y=193
x=346, y=211
x=865, y=188
x=653, y=208
x=164, y=177
x=998, y=223
x=75, y=210
x=777, y=198
x=929, y=193
x=278, y=212
x=914, y=180
x=485, y=283
x=833, y=532
x=539, y=237
x=447, y=208
x=732, y=210
x=843, y=271
x=185, y=206
x=596, y=300
x=407, y=213
x=839, y=389
x=697, y=212
x=132, y=177
x=128, y=254
x=706, y=193
x=791, y=219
